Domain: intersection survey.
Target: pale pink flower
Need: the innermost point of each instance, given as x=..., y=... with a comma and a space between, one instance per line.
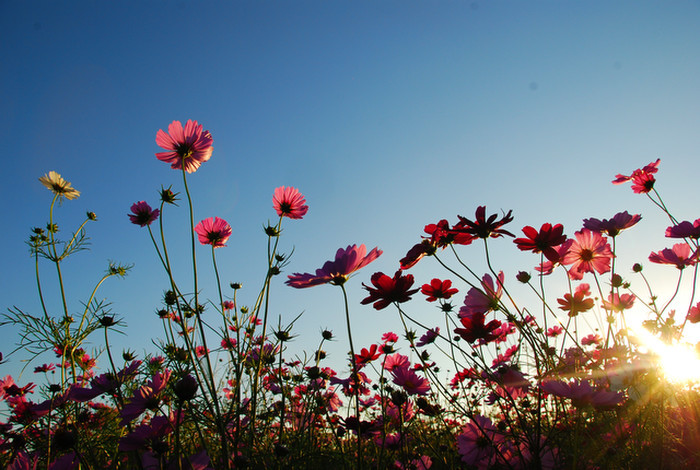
x=590, y=252
x=618, y=303
x=188, y=147
x=213, y=231
x=680, y=255
x=289, y=202
x=336, y=272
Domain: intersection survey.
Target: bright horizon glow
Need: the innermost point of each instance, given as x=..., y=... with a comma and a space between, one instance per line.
x=679, y=362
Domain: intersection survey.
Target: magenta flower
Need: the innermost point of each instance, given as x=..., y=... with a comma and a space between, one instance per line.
x=146, y=397
x=388, y=290
x=679, y=255
x=142, y=214
x=684, y=230
x=483, y=227
x=590, y=252
x=213, y=231
x=612, y=227
x=428, y=337
x=642, y=179
x=289, y=202
x=543, y=241
x=482, y=301
x=188, y=147
x=477, y=442
x=336, y=272
x=581, y=393
x=618, y=303
x=410, y=381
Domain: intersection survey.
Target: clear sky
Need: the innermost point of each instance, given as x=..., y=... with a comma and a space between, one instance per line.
x=387, y=115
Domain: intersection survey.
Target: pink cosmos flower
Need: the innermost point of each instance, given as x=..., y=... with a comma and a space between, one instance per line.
x=543, y=241
x=288, y=202
x=410, y=381
x=685, y=230
x=482, y=301
x=213, y=231
x=142, y=214
x=438, y=289
x=477, y=442
x=612, y=227
x=618, y=303
x=390, y=337
x=582, y=393
x=428, y=337
x=642, y=179
x=579, y=302
x=694, y=313
x=395, y=361
x=188, y=147
x=146, y=397
x=590, y=252
x=679, y=255
x=554, y=331
x=336, y=272
x=592, y=339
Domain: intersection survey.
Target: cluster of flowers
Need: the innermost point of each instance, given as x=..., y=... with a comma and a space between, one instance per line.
x=549, y=390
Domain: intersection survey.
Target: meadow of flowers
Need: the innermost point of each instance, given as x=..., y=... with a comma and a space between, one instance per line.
x=535, y=386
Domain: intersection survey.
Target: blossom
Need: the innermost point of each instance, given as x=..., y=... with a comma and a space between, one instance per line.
x=387, y=290
x=147, y=396
x=416, y=253
x=642, y=179
x=289, y=202
x=428, y=337
x=213, y=231
x=592, y=339
x=410, y=381
x=679, y=255
x=394, y=361
x=618, y=303
x=336, y=272
x=582, y=393
x=59, y=186
x=482, y=301
x=475, y=329
x=481, y=227
x=390, y=337
x=694, y=313
x=577, y=303
x=554, y=331
x=543, y=241
x=367, y=355
x=438, y=289
x=612, y=227
x=142, y=214
x=476, y=443
x=588, y=253
x=685, y=230
x=187, y=148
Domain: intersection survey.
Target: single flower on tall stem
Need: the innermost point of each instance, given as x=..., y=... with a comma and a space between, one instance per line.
x=186, y=148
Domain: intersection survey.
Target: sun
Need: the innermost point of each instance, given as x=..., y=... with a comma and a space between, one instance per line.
x=679, y=362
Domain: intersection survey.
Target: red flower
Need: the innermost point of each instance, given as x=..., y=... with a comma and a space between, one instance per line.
x=612, y=227
x=588, y=253
x=543, y=241
x=188, y=147
x=481, y=227
x=438, y=289
x=388, y=290
x=684, y=230
x=366, y=356
x=416, y=253
x=578, y=302
x=336, y=272
x=642, y=179
x=679, y=255
x=213, y=231
x=618, y=303
x=288, y=202
x=142, y=214
x=694, y=313
x=475, y=329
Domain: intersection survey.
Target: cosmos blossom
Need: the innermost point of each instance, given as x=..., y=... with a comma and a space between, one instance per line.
x=680, y=256
x=619, y=302
x=142, y=214
x=146, y=397
x=476, y=329
x=289, y=202
x=428, y=337
x=59, y=186
x=188, y=147
x=485, y=299
x=582, y=393
x=477, y=442
x=590, y=252
x=577, y=303
x=213, y=231
x=544, y=241
x=685, y=229
x=388, y=290
x=336, y=272
x=612, y=227
x=642, y=178
x=483, y=227
x=438, y=289
x=411, y=382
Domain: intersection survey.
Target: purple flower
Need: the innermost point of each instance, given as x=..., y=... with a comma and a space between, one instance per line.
x=142, y=214
x=612, y=227
x=684, y=230
x=336, y=272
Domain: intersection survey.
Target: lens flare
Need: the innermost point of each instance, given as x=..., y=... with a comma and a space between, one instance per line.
x=678, y=362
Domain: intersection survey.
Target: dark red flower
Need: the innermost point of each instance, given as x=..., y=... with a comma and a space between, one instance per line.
x=416, y=253
x=642, y=179
x=438, y=289
x=388, y=290
x=684, y=230
x=482, y=227
x=441, y=235
x=366, y=356
x=612, y=227
x=543, y=241
x=475, y=329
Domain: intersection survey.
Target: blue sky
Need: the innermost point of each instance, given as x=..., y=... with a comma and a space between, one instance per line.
x=387, y=115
